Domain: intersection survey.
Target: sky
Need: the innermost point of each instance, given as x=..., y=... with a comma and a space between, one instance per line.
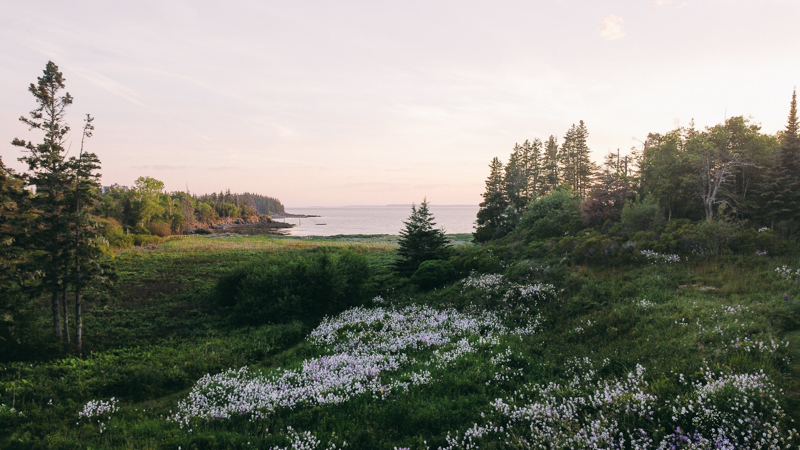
x=374, y=102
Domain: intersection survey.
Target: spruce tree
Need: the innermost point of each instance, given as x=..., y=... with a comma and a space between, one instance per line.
x=491, y=221
x=48, y=172
x=781, y=187
x=420, y=241
x=550, y=167
x=515, y=181
x=15, y=272
x=585, y=168
x=64, y=239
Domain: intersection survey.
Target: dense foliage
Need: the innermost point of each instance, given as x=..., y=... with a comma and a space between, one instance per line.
x=147, y=209
x=280, y=289
x=731, y=171
x=655, y=305
x=420, y=241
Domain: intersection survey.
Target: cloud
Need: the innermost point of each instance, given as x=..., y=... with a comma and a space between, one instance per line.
x=611, y=27
x=660, y=2
x=159, y=167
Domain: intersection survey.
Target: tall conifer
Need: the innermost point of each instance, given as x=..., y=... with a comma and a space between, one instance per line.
x=781, y=188
x=48, y=172
x=491, y=215
x=420, y=241
x=550, y=166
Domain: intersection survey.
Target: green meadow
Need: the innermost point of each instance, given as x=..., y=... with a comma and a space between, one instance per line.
x=590, y=326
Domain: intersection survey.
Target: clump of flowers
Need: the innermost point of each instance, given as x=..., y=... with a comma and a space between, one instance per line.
x=363, y=346
x=99, y=410
x=730, y=411
x=721, y=411
x=306, y=441
x=786, y=273
x=655, y=257
x=586, y=413
x=532, y=293
x=488, y=282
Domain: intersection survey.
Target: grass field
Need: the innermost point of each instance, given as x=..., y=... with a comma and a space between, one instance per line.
x=609, y=353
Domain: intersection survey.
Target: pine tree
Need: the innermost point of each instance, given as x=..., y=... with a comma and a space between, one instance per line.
x=64, y=238
x=491, y=215
x=515, y=181
x=585, y=169
x=533, y=164
x=49, y=174
x=420, y=241
x=550, y=167
x=568, y=166
x=15, y=274
x=781, y=188
x=87, y=270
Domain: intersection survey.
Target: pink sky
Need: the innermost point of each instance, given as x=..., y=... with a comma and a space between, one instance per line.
x=371, y=102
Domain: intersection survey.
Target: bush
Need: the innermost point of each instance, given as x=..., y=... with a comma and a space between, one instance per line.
x=280, y=289
x=143, y=240
x=160, y=228
x=433, y=274
x=116, y=235
x=555, y=215
x=642, y=214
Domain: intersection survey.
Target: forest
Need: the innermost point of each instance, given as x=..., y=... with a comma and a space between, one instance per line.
x=146, y=209
x=651, y=302
x=730, y=173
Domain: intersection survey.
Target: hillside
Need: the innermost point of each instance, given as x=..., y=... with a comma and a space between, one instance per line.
x=540, y=353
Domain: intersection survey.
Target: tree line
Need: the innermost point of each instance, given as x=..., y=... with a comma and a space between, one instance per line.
x=146, y=208
x=51, y=240
x=730, y=170
x=57, y=222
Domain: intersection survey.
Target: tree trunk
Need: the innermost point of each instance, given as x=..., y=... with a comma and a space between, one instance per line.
x=64, y=310
x=78, y=322
x=56, y=314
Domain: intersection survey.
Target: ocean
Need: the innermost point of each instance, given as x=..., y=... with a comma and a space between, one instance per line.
x=375, y=219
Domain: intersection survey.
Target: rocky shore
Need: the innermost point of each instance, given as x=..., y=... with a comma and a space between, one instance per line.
x=260, y=225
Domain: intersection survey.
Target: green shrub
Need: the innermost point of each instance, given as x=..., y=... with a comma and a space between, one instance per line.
x=642, y=214
x=434, y=273
x=279, y=289
x=555, y=215
x=115, y=235
x=143, y=240
x=483, y=259
x=160, y=228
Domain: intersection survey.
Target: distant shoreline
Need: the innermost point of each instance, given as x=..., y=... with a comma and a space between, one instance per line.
x=383, y=206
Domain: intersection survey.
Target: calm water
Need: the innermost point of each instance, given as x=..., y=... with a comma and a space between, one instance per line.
x=376, y=219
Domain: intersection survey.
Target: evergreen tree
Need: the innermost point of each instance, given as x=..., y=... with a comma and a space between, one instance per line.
x=15, y=274
x=585, y=168
x=64, y=240
x=419, y=241
x=550, y=173
x=515, y=181
x=49, y=174
x=533, y=167
x=781, y=188
x=86, y=270
x=577, y=168
x=491, y=215
x=567, y=163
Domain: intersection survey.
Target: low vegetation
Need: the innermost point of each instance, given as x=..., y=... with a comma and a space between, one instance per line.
x=629, y=311
x=538, y=351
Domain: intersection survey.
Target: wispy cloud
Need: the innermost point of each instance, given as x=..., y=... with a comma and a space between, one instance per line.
x=611, y=27
x=108, y=84
x=660, y=2
x=160, y=167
